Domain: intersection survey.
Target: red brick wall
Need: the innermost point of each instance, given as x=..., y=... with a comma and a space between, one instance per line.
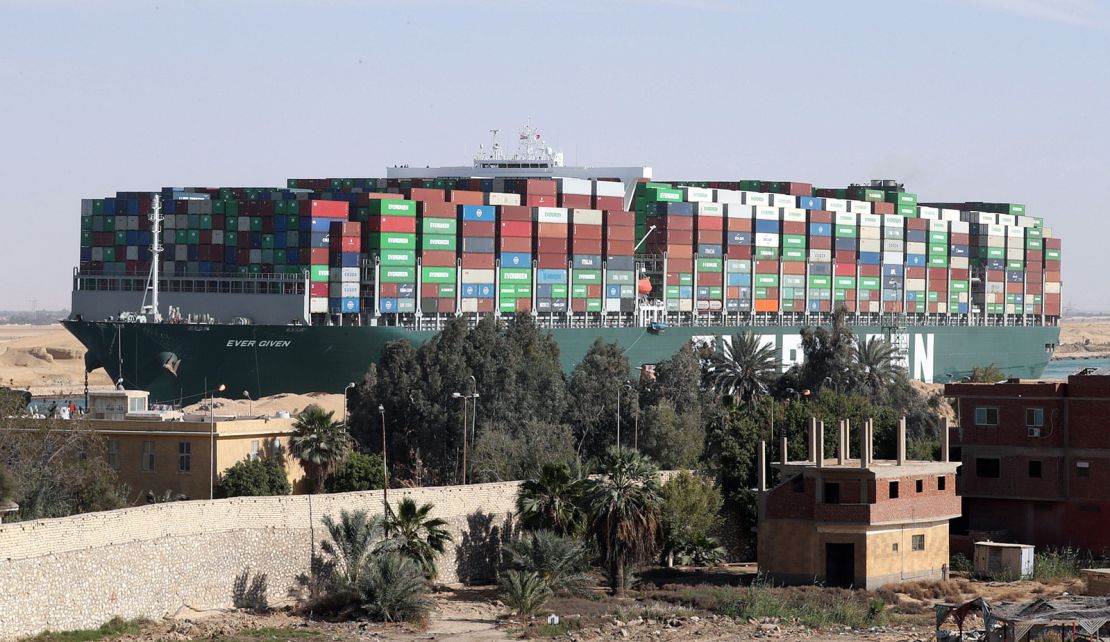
x=784, y=503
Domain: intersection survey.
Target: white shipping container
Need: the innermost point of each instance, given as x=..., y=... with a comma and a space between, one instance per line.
x=870, y=306
x=794, y=214
x=697, y=194
x=612, y=305
x=86, y=207
x=715, y=210
x=181, y=253
x=217, y=237
x=1026, y=221
x=580, y=186
x=1007, y=219
x=1015, y=232
x=132, y=222
x=318, y=305
x=844, y=218
x=547, y=215
x=933, y=215
x=728, y=196
x=497, y=198
x=893, y=258
x=468, y=305
x=870, y=245
x=767, y=213
x=255, y=256
x=477, y=276
x=344, y=289
x=870, y=220
x=98, y=254
x=169, y=221
x=894, y=221
x=984, y=218
x=686, y=305
x=893, y=245
x=244, y=223
x=963, y=297
x=738, y=266
x=766, y=240
x=609, y=188
x=915, y=284
x=585, y=217
x=739, y=211
x=759, y=199
x=998, y=287
x=1015, y=254
x=996, y=230
x=870, y=233
x=1051, y=287
x=938, y=226
x=859, y=207
x=959, y=227
x=346, y=274
x=820, y=256
x=121, y=224
x=996, y=241
x=942, y=308
x=784, y=200
x=958, y=262
x=950, y=215
x=915, y=247
x=835, y=205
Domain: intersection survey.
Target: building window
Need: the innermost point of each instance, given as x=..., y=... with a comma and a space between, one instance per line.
x=147, y=461
x=988, y=467
x=254, y=450
x=1034, y=417
x=893, y=490
x=832, y=493
x=184, y=456
x=113, y=453
x=1034, y=468
x=1083, y=469
x=894, y=547
x=918, y=542
x=919, y=486
x=136, y=404
x=986, y=416
x=942, y=482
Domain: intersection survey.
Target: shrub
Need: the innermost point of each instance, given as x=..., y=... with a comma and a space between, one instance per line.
x=1057, y=564
x=525, y=592
x=357, y=472
x=961, y=564
x=391, y=588
x=253, y=478
x=562, y=562
x=691, y=514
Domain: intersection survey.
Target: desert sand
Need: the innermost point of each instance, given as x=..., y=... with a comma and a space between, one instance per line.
x=48, y=361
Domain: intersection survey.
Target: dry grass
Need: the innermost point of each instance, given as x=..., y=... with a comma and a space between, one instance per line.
x=929, y=590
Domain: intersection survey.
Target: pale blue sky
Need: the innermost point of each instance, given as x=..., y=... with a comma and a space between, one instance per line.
x=961, y=99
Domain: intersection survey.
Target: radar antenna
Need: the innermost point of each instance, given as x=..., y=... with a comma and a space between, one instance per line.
x=155, y=261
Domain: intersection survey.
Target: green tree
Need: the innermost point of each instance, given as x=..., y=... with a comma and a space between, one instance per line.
x=691, y=515
x=986, y=374
x=319, y=442
x=354, y=539
x=418, y=536
x=552, y=500
x=357, y=472
x=392, y=588
x=742, y=368
x=673, y=439
x=562, y=562
x=525, y=592
x=624, y=509
x=828, y=354
x=253, y=478
x=875, y=367
x=501, y=453
x=677, y=380
x=593, y=387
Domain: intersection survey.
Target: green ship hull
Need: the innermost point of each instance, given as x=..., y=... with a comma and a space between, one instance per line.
x=177, y=363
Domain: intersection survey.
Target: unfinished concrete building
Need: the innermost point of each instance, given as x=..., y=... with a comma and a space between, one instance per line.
x=855, y=522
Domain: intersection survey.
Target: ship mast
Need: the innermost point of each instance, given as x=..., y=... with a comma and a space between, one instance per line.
x=155, y=260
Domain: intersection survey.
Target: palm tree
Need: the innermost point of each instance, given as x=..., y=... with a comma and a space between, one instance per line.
x=354, y=538
x=874, y=365
x=551, y=500
x=624, y=507
x=742, y=368
x=563, y=563
x=319, y=443
x=417, y=536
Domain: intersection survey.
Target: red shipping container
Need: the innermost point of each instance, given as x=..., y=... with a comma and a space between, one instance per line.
x=608, y=203
x=539, y=200
x=479, y=229
x=959, y=274
x=959, y=238
x=345, y=228
x=619, y=217
x=676, y=251
x=844, y=269
x=870, y=270
x=739, y=225
x=523, y=305
x=268, y=207
x=1034, y=267
x=794, y=227
x=619, y=233
x=205, y=237
x=585, y=246
x=672, y=237
x=387, y=290
x=593, y=291
x=820, y=242
x=995, y=276
x=711, y=278
x=464, y=197
x=585, y=232
x=429, y=290
x=268, y=225
x=438, y=258
x=672, y=222
x=395, y=224
x=384, y=196
x=772, y=293
x=739, y=252
x=938, y=273
x=1033, y=256
x=516, y=213
x=318, y=256
x=710, y=223
x=576, y=200
x=1052, y=244
x=552, y=230
x=673, y=278
x=318, y=289
x=619, y=248
x=710, y=237
x=914, y=223
x=350, y=244
x=425, y=194
x=1033, y=287
x=820, y=216
x=556, y=261
x=578, y=305
x=436, y=210
x=845, y=256
x=485, y=305
x=317, y=209
x=793, y=267
x=535, y=187
x=446, y=305
x=1013, y=288
x=766, y=266
x=477, y=261
x=883, y=208
x=680, y=265
x=551, y=245
x=1052, y=265
x=515, y=244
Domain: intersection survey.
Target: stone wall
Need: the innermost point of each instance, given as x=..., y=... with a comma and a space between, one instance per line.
x=158, y=560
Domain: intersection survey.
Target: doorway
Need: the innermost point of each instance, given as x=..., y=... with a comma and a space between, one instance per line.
x=840, y=565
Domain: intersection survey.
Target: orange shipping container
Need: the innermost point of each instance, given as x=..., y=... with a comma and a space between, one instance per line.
x=766, y=305
x=463, y=197
x=552, y=230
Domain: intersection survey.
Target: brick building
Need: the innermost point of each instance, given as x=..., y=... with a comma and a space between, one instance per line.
x=1035, y=460
x=861, y=522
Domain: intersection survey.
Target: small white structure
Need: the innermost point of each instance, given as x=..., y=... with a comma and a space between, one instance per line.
x=117, y=404
x=1004, y=561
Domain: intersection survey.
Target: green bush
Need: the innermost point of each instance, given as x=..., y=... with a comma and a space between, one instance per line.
x=357, y=472
x=961, y=564
x=562, y=562
x=391, y=588
x=691, y=515
x=525, y=592
x=111, y=629
x=1058, y=564
x=254, y=478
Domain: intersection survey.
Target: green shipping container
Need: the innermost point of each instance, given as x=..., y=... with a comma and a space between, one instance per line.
x=507, y=305
x=447, y=290
x=318, y=273
x=820, y=281
x=938, y=238
x=267, y=241
x=663, y=195
x=846, y=231
x=938, y=250
x=398, y=257
x=672, y=291
x=767, y=280
x=559, y=291
x=619, y=277
x=766, y=252
x=1052, y=255
x=685, y=278
x=587, y=277
x=1015, y=265
x=384, y=207
x=86, y=238
x=869, y=283
x=390, y=241
x=593, y=305
x=397, y=274
x=793, y=241
x=438, y=242
x=231, y=239
x=710, y=265
x=579, y=291
x=938, y=261
x=846, y=282
x=958, y=286
x=793, y=254
x=439, y=226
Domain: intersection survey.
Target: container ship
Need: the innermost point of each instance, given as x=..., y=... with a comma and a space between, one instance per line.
x=298, y=288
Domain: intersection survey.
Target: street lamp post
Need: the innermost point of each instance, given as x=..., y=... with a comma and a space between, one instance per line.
x=345, y=391
x=250, y=403
x=473, y=396
x=385, y=469
x=212, y=435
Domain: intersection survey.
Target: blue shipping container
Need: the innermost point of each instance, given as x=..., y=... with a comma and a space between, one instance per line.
x=820, y=229
x=478, y=212
x=870, y=258
x=915, y=260
x=809, y=203
x=551, y=276
x=587, y=261
x=675, y=209
x=766, y=227
x=739, y=238
x=516, y=259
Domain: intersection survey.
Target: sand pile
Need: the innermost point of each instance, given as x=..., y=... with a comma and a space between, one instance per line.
x=270, y=406
x=46, y=360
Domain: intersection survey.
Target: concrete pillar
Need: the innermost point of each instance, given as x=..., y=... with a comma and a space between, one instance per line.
x=847, y=439
x=841, y=446
x=761, y=456
x=811, y=454
x=902, y=441
x=783, y=457
x=944, y=440
x=820, y=444
x=864, y=435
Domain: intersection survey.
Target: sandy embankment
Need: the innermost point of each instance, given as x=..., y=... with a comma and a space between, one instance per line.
x=1084, y=338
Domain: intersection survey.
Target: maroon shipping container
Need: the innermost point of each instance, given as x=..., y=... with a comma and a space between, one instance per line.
x=396, y=224
x=438, y=258
x=478, y=261
x=552, y=230
x=959, y=274
x=317, y=256
x=710, y=223
x=318, y=289
x=436, y=210
x=608, y=203
x=739, y=225
x=845, y=257
x=515, y=228
x=820, y=242
x=1052, y=244
x=585, y=231
x=671, y=237
x=446, y=305
x=882, y=208
x=958, y=238
x=516, y=213
x=674, y=251
x=346, y=228
x=429, y=290
x=710, y=237
x=575, y=200
x=387, y=290
x=523, y=305
x=793, y=227
x=586, y=246
x=820, y=216
x=619, y=233
x=515, y=244
x=619, y=217
x=938, y=273
x=540, y=200
x=1033, y=256
x=711, y=278
x=619, y=248
x=464, y=197
x=915, y=223
x=671, y=222
x=870, y=270
x=536, y=187
x=556, y=261
x=345, y=244
x=1033, y=286
x=425, y=194
x=740, y=252
x=547, y=245
x=793, y=267
x=578, y=305
x=479, y=229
